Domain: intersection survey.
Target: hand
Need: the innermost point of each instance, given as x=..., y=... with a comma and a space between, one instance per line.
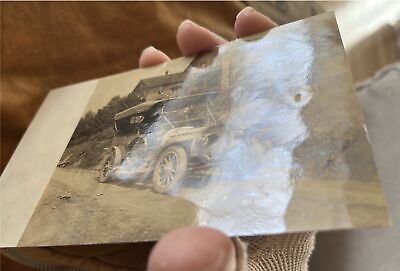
x=199, y=248
x=193, y=39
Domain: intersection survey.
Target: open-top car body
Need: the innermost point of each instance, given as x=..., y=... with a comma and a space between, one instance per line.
x=160, y=141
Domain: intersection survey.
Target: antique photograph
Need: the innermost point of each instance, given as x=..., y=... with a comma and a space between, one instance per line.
x=262, y=135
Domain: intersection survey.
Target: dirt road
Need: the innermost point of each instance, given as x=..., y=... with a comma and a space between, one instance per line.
x=75, y=208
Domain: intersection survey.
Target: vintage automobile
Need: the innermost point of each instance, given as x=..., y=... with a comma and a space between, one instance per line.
x=159, y=141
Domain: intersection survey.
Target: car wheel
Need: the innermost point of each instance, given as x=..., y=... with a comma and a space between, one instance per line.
x=169, y=169
x=107, y=168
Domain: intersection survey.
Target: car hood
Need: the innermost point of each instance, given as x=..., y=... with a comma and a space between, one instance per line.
x=186, y=131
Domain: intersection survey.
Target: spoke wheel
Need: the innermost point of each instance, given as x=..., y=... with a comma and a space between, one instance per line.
x=106, y=170
x=169, y=169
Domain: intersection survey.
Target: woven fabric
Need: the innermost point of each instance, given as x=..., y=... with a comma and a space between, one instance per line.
x=289, y=252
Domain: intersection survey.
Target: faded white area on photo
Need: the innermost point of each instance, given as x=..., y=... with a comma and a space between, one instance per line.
x=250, y=189
x=259, y=105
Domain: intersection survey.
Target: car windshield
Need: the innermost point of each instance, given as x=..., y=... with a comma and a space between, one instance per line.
x=137, y=121
x=193, y=110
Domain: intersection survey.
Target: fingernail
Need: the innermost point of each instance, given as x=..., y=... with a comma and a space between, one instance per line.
x=225, y=262
x=187, y=22
x=245, y=11
x=149, y=49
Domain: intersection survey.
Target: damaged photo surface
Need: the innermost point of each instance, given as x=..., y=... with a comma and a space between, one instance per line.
x=262, y=135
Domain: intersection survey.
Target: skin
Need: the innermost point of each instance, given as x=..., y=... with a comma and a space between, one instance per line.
x=199, y=248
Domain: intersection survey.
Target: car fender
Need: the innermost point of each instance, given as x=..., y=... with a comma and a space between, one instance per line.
x=119, y=155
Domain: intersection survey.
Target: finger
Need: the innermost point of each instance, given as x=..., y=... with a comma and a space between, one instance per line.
x=193, y=39
x=193, y=248
x=249, y=22
x=151, y=56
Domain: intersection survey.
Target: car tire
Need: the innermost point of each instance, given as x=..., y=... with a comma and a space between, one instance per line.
x=169, y=169
x=109, y=164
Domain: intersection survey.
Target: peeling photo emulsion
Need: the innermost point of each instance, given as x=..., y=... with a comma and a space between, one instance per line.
x=262, y=135
x=257, y=115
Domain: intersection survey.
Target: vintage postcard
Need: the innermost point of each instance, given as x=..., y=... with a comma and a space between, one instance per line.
x=262, y=135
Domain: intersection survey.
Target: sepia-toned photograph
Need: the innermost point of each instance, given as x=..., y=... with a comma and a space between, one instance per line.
x=262, y=135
